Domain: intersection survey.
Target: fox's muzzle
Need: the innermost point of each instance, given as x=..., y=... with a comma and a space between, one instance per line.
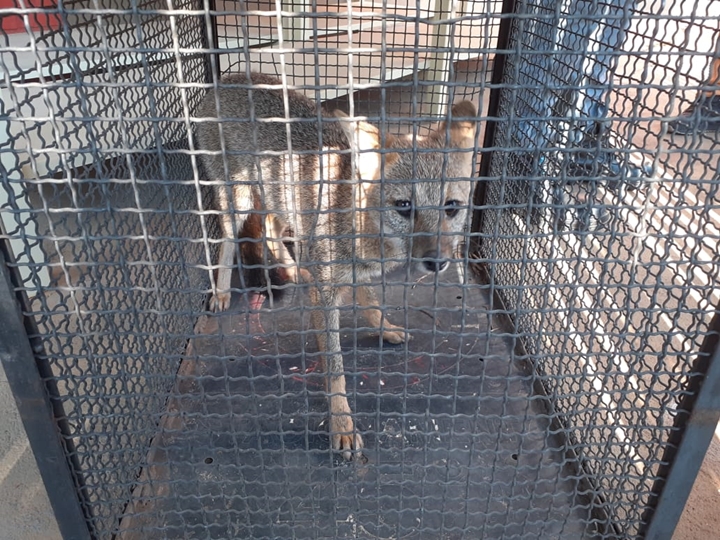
x=432, y=261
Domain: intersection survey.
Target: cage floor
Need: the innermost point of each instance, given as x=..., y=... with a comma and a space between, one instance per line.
x=457, y=446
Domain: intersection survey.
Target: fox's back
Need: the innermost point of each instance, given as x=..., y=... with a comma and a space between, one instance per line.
x=246, y=131
x=253, y=121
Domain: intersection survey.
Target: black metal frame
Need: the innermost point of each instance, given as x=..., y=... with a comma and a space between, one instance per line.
x=30, y=380
x=503, y=42
x=693, y=430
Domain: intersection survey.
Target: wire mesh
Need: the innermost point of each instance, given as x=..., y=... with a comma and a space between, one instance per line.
x=541, y=385
x=103, y=196
x=620, y=300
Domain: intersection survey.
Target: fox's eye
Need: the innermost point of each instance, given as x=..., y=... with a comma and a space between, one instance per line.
x=452, y=208
x=404, y=208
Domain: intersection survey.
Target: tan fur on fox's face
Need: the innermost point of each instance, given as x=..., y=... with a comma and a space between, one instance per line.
x=355, y=210
x=419, y=209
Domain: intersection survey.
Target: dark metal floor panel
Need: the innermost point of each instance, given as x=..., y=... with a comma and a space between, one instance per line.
x=457, y=446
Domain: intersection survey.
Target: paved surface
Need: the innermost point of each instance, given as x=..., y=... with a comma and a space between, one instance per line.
x=25, y=512
x=700, y=518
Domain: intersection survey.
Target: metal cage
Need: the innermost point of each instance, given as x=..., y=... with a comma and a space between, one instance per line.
x=560, y=381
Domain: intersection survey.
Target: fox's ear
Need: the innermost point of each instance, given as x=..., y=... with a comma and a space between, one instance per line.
x=364, y=140
x=462, y=132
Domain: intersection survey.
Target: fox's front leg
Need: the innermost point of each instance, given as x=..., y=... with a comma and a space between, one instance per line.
x=220, y=300
x=392, y=334
x=326, y=321
x=234, y=203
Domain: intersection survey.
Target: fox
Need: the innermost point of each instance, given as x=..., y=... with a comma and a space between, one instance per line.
x=353, y=202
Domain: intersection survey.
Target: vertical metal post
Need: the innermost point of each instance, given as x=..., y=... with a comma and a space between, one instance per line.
x=25, y=377
x=498, y=74
x=693, y=429
x=210, y=42
x=295, y=28
x=438, y=65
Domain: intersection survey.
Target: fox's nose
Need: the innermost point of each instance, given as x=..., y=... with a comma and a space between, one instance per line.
x=433, y=263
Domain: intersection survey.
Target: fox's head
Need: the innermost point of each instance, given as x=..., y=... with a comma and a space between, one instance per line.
x=416, y=190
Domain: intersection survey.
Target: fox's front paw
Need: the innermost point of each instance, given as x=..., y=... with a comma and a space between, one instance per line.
x=395, y=334
x=342, y=434
x=220, y=301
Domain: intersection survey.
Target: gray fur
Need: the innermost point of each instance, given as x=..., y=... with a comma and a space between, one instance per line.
x=347, y=228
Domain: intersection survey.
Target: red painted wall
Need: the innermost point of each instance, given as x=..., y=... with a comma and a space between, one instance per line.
x=13, y=23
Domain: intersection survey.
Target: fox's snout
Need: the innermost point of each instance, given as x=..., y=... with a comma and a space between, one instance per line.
x=430, y=249
x=432, y=254
x=433, y=261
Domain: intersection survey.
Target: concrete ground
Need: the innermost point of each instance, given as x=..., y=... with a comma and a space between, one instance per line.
x=700, y=518
x=25, y=511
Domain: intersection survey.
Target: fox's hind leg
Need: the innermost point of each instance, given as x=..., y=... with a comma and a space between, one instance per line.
x=276, y=231
x=366, y=298
x=220, y=300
